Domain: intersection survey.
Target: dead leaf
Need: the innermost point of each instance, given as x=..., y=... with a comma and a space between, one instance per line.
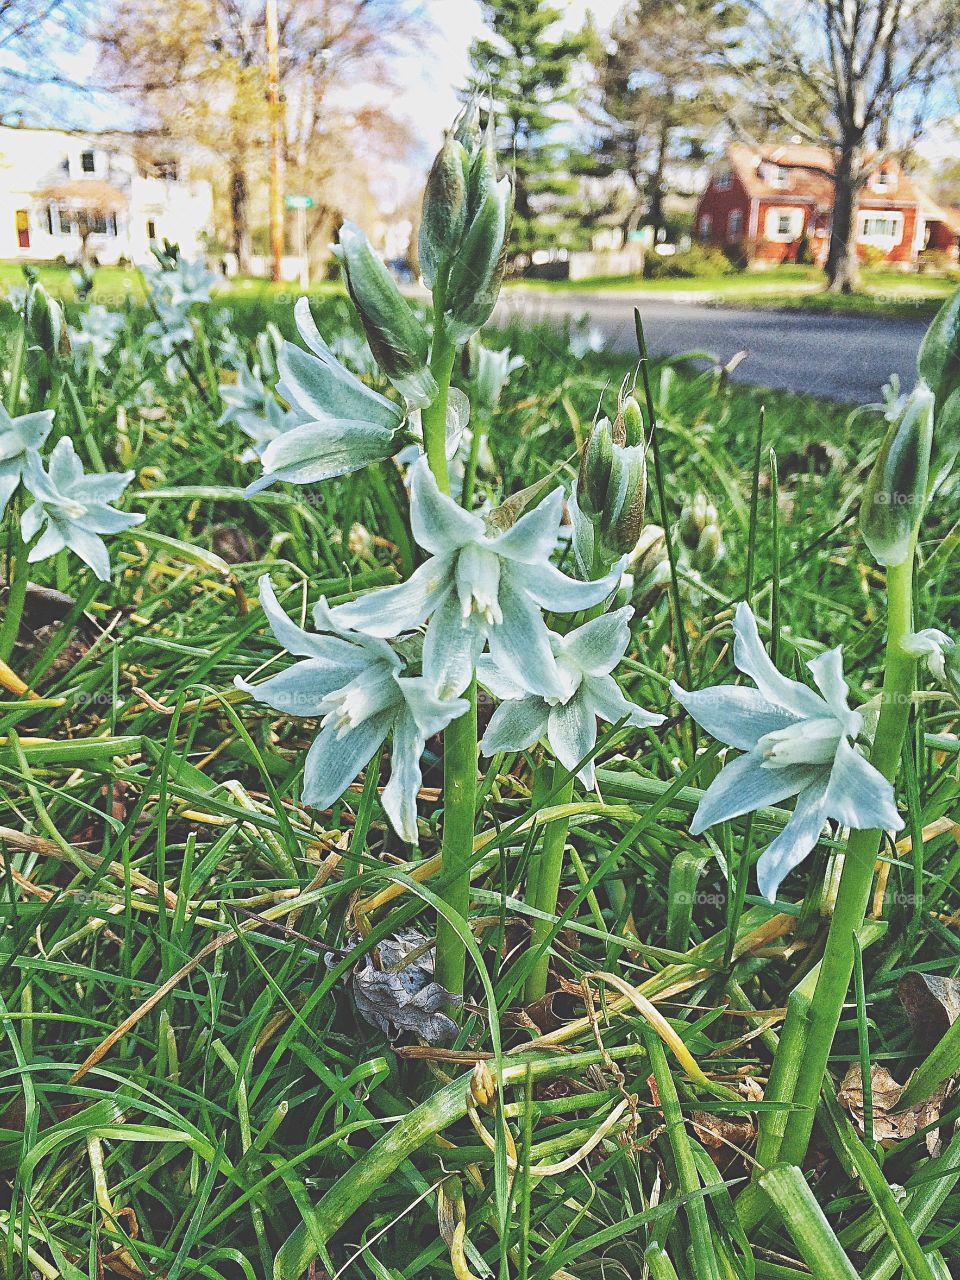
x=395, y=991
x=889, y=1124
x=932, y=1004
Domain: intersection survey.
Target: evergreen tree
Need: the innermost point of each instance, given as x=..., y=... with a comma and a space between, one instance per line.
x=526, y=63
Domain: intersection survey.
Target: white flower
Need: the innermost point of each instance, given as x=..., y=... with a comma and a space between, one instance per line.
x=586, y=339
x=480, y=586
x=97, y=332
x=586, y=657
x=75, y=508
x=355, y=685
x=255, y=409
x=493, y=370
x=797, y=743
x=934, y=646
x=19, y=439
x=344, y=424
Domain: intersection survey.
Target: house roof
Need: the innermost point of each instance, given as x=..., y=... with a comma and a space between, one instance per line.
x=87, y=192
x=810, y=181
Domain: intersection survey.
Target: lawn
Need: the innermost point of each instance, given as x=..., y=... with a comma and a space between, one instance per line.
x=882, y=292
x=191, y=1082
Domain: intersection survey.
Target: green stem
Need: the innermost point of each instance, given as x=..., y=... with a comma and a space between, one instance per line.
x=858, y=864
x=545, y=892
x=460, y=738
x=456, y=850
x=470, y=471
x=434, y=416
x=16, y=593
x=16, y=372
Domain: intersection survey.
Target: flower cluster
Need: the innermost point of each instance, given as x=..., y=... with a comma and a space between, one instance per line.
x=481, y=589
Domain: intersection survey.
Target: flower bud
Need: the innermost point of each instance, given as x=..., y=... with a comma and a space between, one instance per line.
x=612, y=489
x=631, y=418
x=477, y=271
x=396, y=337
x=896, y=492
x=938, y=365
x=444, y=214
x=938, y=360
x=43, y=317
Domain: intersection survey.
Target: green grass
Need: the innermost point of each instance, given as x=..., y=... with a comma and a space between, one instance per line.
x=244, y=1101
x=890, y=293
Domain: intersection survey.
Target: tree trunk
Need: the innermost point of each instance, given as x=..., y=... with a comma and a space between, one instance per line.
x=239, y=213
x=842, y=261
x=655, y=215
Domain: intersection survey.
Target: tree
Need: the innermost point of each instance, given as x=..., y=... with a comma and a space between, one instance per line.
x=197, y=68
x=526, y=66
x=873, y=73
x=34, y=37
x=660, y=78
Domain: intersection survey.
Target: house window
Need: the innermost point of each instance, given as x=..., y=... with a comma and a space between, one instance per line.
x=88, y=162
x=59, y=222
x=734, y=224
x=166, y=169
x=100, y=224
x=706, y=222
x=884, y=229
x=883, y=180
x=778, y=176
x=783, y=225
x=151, y=229
x=723, y=180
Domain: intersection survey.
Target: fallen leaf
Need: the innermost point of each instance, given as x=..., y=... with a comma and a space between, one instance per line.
x=889, y=1124
x=932, y=1004
x=395, y=991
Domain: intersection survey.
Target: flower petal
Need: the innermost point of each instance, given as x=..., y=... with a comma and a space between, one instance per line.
x=390, y=610
x=452, y=647
x=9, y=479
x=320, y=450
x=52, y=540
x=336, y=758
x=399, y=798
x=499, y=683
x=859, y=795
x=827, y=672
x=439, y=524
x=744, y=785
x=293, y=638
x=90, y=547
x=532, y=538
x=608, y=702
x=572, y=734
x=753, y=660
x=300, y=689
x=597, y=646
x=516, y=725
x=553, y=590
x=733, y=714
x=431, y=714
x=520, y=644
x=795, y=842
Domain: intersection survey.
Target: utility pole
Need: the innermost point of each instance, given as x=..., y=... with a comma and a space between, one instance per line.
x=276, y=137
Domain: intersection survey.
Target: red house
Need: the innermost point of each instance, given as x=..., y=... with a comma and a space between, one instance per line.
x=770, y=206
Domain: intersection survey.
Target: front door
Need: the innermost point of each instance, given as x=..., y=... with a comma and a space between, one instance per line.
x=23, y=229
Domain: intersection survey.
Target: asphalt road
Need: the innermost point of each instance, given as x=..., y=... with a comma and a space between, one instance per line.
x=842, y=357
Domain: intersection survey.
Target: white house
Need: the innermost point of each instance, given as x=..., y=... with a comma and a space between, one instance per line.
x=60, y=188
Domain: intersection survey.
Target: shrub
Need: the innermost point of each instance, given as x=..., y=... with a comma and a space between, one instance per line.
x=698, y=260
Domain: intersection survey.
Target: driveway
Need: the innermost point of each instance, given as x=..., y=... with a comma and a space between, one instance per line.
x=843, y=357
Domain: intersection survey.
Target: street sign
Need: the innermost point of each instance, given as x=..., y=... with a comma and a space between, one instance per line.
x=298, y=202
